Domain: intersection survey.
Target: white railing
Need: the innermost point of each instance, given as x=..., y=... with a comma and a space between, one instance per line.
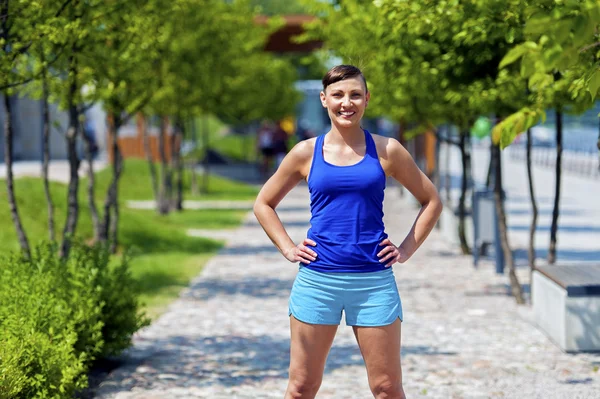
x=576, y=162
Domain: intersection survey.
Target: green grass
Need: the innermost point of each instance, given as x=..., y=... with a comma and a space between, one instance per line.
x=164, y=258
x=234, y=146
x=135, y=184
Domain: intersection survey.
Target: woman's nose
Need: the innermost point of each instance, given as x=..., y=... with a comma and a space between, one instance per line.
x=346, y=101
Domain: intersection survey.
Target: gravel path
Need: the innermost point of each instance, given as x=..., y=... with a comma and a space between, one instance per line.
x=463, y=335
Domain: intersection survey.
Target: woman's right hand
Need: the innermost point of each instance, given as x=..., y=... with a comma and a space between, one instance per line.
x=301, y=253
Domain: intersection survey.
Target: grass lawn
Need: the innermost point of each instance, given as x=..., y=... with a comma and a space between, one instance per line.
x=164, y=258
x=234, y=146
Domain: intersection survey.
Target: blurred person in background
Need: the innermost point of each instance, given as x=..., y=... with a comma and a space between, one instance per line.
x=266, y=147
x=280, y=145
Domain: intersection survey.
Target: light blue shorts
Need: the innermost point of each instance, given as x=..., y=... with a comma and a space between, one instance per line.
x=368, y=299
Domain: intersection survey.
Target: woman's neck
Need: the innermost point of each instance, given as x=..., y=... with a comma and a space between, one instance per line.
x=350, y=136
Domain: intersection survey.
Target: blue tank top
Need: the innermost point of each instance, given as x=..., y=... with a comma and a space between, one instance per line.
x=346, y=204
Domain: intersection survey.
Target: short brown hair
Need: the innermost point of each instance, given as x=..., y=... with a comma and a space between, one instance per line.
x=342, y=72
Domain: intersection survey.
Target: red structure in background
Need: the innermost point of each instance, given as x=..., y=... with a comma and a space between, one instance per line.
x=133, y=146
x=282, y=40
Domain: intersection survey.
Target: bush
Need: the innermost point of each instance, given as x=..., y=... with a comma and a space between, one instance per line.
x=57, y=316
x=38, y=332
x=118, y=292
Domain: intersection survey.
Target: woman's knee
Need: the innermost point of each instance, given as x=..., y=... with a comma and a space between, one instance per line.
x=302, y=385
x=387, y=387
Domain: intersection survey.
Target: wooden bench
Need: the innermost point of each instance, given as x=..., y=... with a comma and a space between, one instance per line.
x=566, y=305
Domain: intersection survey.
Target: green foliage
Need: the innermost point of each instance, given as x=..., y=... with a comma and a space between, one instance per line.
x=558, y=57
x=119, y=294
x=429, y=61
x=57, y=316
x=505, y=133
x=278, y=7
x=42, y=353
x=213, y=62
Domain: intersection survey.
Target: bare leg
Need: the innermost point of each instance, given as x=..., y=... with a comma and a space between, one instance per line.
x=309, y=348
x=380, y=347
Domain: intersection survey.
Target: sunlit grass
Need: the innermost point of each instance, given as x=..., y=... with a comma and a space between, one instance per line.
x=164, y=258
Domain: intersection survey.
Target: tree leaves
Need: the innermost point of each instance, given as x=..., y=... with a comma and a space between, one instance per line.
x=505, y=132
x=594, y=83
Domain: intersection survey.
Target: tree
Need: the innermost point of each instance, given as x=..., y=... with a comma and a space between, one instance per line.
x=16, y=38
x=561, y=68
x=77, y=31
x=228, y=75
x=122, y=87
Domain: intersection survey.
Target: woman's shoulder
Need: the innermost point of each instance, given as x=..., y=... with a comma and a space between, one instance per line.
x=386, y=145
x=304, y=149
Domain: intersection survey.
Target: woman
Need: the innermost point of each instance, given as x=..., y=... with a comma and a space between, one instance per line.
x=346, y=258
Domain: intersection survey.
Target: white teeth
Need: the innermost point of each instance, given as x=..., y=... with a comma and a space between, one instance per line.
x=347, y=113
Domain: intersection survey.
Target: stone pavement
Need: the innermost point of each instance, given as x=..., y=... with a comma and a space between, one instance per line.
x=463, y=335
x=58, y=170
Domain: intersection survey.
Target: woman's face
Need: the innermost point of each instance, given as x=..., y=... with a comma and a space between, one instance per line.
x=346, y=101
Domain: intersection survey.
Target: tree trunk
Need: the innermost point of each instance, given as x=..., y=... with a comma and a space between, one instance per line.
x=111, y=195
x=151, y=166
x=8, y=153
x=206, y=164
x=556, y=210
x=178, y=164
x=91, y=187
x=163, y=202
x=534, y=208
x=114, y=221
x=400, y=137
x=72, y=198
x=447, y=174
x=46, y=156
x=464, y=246
x=598, y=145
x=491, y=168
x=194, y=179
x=437, y=178
x=194, y=161
x=499, y=201
x=173, y=164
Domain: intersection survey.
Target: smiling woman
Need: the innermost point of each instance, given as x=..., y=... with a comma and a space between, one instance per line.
x=347, y=256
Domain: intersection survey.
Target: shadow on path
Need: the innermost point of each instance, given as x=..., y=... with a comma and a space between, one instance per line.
x=306, y=224
x=254, y=287
x=541, y=212
x=249, y=250
x=568, y=229
x=562, y=255
x=185, y=362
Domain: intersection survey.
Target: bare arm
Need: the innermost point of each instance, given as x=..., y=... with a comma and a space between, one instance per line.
x=400, y=165
x=293, y=168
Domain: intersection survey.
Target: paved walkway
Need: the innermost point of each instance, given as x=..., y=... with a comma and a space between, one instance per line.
x=463, y=336
x=579, y=221
x=58, y=170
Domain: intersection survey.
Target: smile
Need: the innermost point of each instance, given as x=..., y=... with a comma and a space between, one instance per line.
x=346, y=113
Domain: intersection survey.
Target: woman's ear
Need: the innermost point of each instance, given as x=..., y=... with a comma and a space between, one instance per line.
x=323, y=102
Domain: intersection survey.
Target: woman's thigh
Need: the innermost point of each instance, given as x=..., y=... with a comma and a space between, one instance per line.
x=380, y=347
x=309, y=347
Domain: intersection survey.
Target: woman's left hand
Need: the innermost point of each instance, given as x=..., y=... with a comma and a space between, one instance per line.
x=391, y=254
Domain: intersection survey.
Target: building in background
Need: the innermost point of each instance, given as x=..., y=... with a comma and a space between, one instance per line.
x=28, y=135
